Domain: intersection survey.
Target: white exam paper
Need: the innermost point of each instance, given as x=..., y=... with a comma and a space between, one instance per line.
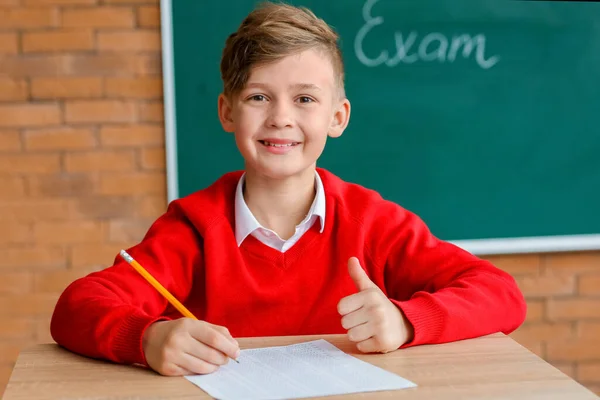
x=309, y=369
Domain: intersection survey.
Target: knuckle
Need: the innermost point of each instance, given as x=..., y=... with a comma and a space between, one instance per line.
x=378, y=311
x=212, y=340
x=361, y=347
x=344, y=322
x=168, y=370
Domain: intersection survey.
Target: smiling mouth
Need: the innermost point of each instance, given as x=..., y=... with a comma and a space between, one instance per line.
x=291, y=144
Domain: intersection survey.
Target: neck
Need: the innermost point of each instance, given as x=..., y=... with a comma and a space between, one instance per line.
x=280, y=204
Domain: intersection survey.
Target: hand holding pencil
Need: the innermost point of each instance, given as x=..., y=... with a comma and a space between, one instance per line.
x=185, y=346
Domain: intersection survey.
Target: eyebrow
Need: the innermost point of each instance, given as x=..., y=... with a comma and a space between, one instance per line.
x=297, y=86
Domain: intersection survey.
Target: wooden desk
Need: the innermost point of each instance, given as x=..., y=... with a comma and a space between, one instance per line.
x=490, y=367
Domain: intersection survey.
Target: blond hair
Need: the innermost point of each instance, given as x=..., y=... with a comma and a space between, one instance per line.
x=272, y=32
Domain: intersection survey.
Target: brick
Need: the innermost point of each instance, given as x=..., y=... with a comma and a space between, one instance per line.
x=589, y=284
x=128, y=230
x=148, y=16
x=26, y=210
x=16, y=283
x=570, y=263
x=62, y=185
x=132, y=135
x=149, y=64
x=10, y=140
x=29, y=305
x=13, y=187
x=25, y=115
x=151, y=206
x=62, y=138
x=32, y=257
x=98, y=17
x=17, y=328
x=100, y=161
x=566, y=368
x=13, y=89
x=573, y=350
x=42, y=330
x=100, y=111
x=536, y=347
x=10, y=349
x=102, y=207
x=134, y=88
x=546, y=285
x=9, y=43
x=30, y=163
x=132, y=1
x=153, y=158
x=543, y=331
x=573, y=309
x=133, y=40
x=33, y=65
x=23, y=18
x=589, y=372
x=95, y=255
x=15, y=232
x=536, y=310
x=58, y=40
x=520, y=264
x=56, y=281
x=68, y=232
x=151, y=112
x=588, y=330
x=60, y=2
x=133, y=184
x=102, y=64
x=66, y=88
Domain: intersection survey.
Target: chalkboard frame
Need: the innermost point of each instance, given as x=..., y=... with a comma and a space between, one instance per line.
x=516, y=245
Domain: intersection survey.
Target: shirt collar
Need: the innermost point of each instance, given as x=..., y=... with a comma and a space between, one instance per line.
x=246, y=223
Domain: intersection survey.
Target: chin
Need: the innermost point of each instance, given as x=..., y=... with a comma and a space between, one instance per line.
x=280, y=172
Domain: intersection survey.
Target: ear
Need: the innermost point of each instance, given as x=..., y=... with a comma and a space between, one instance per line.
x=340, y=119
x=225, y=113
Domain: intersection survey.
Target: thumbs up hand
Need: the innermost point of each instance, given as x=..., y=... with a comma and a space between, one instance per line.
x=373, y=322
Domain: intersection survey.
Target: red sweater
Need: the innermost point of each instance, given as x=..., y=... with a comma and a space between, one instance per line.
x=253, y=290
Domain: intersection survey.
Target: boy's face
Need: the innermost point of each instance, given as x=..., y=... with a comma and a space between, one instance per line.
x=283, y=116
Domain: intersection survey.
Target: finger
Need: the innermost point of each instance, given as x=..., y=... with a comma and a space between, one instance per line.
x=195, y=365
x=211, y=337
x=351, y=303
x=173, y=370
x=203, y=352
x=355, y=318
x=358, y=275
x=225, y=332
x=360, y=333
x=369, y=345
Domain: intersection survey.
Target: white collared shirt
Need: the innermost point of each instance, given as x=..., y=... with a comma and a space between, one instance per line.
x=246, y=224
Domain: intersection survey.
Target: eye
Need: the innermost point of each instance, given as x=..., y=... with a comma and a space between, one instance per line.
x=305, y=99
x=257, y=97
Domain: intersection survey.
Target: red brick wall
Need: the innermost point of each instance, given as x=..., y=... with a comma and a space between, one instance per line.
x=82, y=175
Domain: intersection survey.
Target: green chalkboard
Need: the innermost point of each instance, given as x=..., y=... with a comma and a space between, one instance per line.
x=481, y=116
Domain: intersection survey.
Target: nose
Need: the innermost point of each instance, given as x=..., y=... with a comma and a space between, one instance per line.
x=280, y=115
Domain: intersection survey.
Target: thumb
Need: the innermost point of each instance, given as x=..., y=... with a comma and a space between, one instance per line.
x=359, y=276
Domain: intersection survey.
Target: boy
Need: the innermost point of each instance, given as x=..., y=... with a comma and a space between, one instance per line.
x=283, y=248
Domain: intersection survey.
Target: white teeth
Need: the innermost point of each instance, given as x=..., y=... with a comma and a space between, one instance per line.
x=278, y=145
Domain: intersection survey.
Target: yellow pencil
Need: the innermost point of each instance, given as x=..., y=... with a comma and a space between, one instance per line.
x=161, y=289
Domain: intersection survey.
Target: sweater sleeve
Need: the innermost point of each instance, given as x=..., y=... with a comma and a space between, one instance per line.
x=446, y=293
x=104, y=315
